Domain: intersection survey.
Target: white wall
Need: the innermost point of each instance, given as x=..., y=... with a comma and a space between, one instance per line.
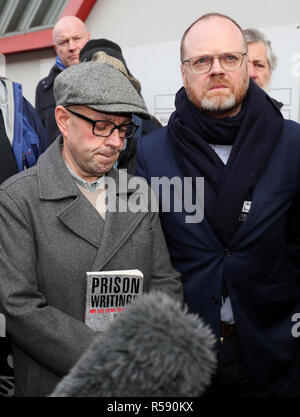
x=134, y=23
x=139, y=22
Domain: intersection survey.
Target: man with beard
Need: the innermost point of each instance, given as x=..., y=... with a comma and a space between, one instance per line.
x=240, y=265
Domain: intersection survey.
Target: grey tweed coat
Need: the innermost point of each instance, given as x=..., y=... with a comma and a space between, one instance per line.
x=51, y=236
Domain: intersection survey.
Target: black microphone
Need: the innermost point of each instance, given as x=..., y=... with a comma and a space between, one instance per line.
x=153, y=349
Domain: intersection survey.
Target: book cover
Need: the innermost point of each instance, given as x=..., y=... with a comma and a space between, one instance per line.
x=108, y=293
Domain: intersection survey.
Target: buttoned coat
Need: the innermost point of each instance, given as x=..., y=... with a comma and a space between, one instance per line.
x=260, y=265
x=45, y=102
x=51, y=235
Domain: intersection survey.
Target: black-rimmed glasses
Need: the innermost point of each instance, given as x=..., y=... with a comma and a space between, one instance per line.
x=230, y=61
x=105, y=128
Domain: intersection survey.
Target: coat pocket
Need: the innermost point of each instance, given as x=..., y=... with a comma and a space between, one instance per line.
x=142, y=238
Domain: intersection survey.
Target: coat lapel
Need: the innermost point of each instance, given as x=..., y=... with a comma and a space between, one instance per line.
x=81, y=218
x=119, y=225
x=56, y=184
x=77, y=213
x=258, y=201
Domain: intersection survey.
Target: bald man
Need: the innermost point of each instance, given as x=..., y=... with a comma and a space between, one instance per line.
x=239, y=261
x=69, y=36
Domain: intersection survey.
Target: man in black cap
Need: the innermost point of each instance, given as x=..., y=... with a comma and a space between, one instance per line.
x=104, y=50
x=58, y=212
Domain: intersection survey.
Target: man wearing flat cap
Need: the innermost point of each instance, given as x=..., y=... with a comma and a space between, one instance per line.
x=56, y=226
x=105, y=50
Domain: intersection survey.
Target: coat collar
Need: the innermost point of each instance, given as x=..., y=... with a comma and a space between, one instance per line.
x=77, y=214
x=55, y=181
x=48, y=81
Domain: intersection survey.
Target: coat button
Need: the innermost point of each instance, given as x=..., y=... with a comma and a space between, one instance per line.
x=227, y=252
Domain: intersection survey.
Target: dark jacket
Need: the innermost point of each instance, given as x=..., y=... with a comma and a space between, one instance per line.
x=45, y=102
x=278, y=103
x=127, y=158
x=261, y=265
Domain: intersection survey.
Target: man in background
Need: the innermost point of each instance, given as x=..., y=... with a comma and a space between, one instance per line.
x=69, y=37
x=261, y=59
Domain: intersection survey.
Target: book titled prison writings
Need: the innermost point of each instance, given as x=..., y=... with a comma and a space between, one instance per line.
x=108, y=293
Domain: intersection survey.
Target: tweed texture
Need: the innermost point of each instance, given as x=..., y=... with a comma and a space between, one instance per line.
x=102, y=56
x=55, y=236
x=106, y=45
x=153, y=349
x=104, y=50
x=117, y=63
x=98, y=86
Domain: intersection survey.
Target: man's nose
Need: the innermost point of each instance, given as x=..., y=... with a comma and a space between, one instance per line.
x=72, y=44
x=114, y=140
x=216, y=67
x=252, y=71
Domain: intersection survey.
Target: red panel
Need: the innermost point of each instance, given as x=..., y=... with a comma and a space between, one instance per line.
x=26, y=42
x=42, y=39
x=79, y=8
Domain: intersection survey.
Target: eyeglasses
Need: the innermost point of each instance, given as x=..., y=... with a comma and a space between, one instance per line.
x=229, y=62
x=105, y=128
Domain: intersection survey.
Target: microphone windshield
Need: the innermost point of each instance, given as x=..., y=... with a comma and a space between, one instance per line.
x=154, y=349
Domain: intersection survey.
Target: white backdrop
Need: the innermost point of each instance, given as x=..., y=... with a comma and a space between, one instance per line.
x=286, y=77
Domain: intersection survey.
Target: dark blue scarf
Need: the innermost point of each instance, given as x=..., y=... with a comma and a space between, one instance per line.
x=253, y=133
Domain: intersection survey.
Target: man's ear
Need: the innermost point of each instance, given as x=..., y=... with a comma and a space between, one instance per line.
x=62, y=118
x=182, y=74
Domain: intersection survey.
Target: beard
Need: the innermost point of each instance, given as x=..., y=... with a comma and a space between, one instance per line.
x=219, y=104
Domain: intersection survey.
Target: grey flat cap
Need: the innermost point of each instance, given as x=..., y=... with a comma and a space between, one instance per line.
x=99, y=86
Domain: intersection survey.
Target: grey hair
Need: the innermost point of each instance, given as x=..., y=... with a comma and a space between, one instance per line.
x=254, y=35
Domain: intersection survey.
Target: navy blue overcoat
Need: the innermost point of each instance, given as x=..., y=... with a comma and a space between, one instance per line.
x=261, y=265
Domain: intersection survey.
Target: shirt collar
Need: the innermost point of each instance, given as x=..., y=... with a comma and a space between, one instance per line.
x=89, y=186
